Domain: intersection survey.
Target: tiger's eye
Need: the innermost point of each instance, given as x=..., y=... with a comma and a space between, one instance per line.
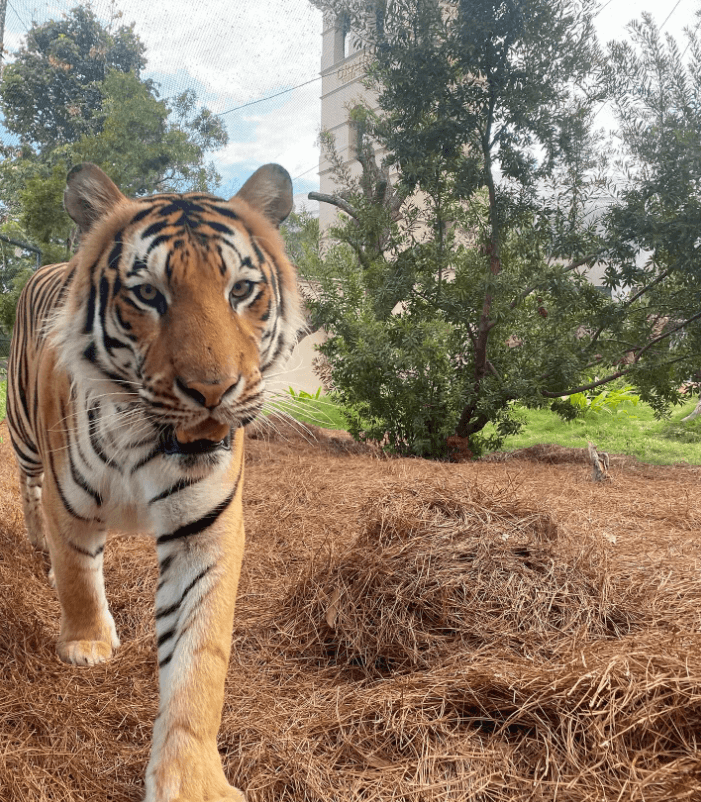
x=242, y=289
x=151, y=296
x=147, y=291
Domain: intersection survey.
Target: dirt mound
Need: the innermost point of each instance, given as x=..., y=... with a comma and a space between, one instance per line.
x=439, y=568
x=288, y=430
x=551, y=454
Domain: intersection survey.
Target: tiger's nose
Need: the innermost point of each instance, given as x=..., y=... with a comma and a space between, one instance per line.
x=208, y=394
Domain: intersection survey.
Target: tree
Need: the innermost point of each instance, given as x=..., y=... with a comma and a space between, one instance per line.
x=52, y=92
x=653, y=224
x=481, y=103
x=301, y=235
x=144, y=143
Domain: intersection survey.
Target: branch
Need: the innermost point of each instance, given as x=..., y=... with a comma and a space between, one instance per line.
x=630, y=301
x=583, y=387
x=667, y=334
x=334, y=200
x=572, y=266
x=606, y=380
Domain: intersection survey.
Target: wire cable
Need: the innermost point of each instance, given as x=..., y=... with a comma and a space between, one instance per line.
x=608, y=3
x=670, y=14
x=269, y=97
x=17, y=15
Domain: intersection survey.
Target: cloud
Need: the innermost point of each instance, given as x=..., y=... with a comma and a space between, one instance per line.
x=286, y=134
x=240, y=51
x=233, y=53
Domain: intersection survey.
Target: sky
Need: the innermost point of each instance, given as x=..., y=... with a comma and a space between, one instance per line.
x=236, y=52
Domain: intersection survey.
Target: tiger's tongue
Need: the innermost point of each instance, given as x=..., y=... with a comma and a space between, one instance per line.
x=207, y=430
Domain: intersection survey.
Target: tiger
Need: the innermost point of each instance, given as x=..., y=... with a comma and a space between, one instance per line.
x=134, y=368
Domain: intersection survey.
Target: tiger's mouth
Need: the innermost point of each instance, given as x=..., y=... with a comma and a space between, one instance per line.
x=205, y=438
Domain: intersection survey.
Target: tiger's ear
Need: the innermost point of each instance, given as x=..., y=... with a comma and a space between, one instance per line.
x=269, y=190
x=89, y=195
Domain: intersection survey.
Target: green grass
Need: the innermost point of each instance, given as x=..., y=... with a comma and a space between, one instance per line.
x=631, y=430
x=313, y=410
x=634, y=431
x=3, y=397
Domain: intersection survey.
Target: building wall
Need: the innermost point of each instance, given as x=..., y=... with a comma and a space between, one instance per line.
x=342, y=70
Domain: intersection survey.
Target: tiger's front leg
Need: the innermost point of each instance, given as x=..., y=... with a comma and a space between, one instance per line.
x=76, y=546
x=200, y=564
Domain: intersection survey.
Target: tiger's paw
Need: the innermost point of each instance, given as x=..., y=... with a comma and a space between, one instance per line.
x=38, y=539
x=84, y=652
x=232, y=795
x=203, y=782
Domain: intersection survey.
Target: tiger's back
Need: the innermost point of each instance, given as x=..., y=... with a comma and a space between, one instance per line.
x=38, y=302
x=132, y=373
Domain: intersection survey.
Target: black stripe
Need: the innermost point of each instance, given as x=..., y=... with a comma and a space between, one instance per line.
x=163, y=567
x=176, y=488
x=222, y=262
x=145, y=441
x=258, y=251
x=116, y=252
x=202, y=523
x=125, y=324
x=277, y=353
x=166, y=611
x=95, y=441
x=83, y=484
x=258, y=296
x=85, y=552
x=225, y=212
x=26, y=460
x=112, y=343
x=128, y=300
x=157, y=451
x=66, y=504
x=158, y=241
x=138, y=267
x=90, y=314
x=181, y=634
x=154, y=229
x=185, y=205
x=220, y=227
x=140, y=215
x=166, y=636
x=90, y=353
x=77, y=477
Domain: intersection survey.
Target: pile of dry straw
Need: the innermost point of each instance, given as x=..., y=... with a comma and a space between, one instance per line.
x=401, y=635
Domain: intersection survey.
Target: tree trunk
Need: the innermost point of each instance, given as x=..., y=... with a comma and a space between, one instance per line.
x=600, y=464
x=695, y=413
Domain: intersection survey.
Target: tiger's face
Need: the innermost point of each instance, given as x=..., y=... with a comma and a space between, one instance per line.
x=181, y=303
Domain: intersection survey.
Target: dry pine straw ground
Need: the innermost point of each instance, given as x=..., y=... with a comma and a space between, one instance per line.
x=406, y=630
